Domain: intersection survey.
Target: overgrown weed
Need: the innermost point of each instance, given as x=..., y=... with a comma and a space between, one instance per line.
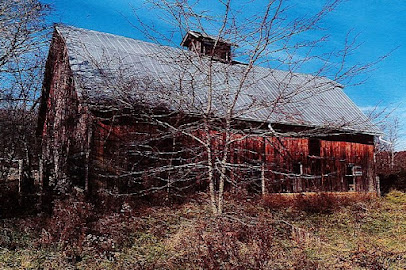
x=340, y=233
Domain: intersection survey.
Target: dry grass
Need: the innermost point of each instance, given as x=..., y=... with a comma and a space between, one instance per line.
x=319, y=231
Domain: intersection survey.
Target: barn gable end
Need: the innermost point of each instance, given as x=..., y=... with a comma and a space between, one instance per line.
x=63, y=123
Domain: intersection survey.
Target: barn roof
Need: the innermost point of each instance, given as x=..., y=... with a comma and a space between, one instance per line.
x=110, y=69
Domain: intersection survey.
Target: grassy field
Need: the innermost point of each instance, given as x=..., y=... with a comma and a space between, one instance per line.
x=319, y=231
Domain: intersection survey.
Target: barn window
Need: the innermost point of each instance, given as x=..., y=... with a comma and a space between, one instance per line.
x=357, y=171
x=298, y=168
x=314, y=147
x=349, y=169
x=352, y=172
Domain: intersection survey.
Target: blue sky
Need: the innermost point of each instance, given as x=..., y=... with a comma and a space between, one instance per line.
x=381, y=25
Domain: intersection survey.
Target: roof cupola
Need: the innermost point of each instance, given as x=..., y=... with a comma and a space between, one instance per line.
x=203, y=44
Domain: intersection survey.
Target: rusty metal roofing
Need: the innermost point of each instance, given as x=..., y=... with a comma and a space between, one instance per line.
x=110, y=69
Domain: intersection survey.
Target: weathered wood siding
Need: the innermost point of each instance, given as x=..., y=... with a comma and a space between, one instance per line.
x=288, y=164
x=63, y=124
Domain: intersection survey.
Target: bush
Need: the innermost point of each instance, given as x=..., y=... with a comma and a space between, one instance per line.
x=112, y=231
x=221, y=242
x=9, y=206
x=397, y=197
x=376, y=259
x=69, y=223
x=277, y=201
x=318, y=203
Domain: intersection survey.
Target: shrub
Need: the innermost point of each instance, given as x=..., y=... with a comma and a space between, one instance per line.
x=69, y=223
x=397, y=197
x=9, y=205
x=223, y=243
x=376, y=259
x=112, y=231
x=277, y=201
x=321, y=203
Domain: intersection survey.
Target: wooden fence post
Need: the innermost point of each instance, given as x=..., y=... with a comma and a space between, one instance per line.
x=40, y=174
x=378, y=186
x=20, y=175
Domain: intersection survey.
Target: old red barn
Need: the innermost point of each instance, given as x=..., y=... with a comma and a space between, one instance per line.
x=138, y=117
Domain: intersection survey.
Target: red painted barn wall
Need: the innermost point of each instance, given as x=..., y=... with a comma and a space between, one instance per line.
x=288, y=164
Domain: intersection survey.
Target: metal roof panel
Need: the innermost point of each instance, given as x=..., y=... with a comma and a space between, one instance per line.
x=108, y=67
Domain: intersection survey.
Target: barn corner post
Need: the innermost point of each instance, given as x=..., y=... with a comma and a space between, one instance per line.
x=40, y=174
x=43, y=178
x=374, y=181
x=90, y=123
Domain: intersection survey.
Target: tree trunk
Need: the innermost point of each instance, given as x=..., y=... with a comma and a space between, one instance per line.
x=263, y=188
x=211, y=181
x=223, y=170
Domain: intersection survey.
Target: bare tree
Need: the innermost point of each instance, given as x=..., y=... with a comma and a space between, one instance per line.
x=169, y=118
x=23, y=36
x=386, y=145
x=270, y=37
